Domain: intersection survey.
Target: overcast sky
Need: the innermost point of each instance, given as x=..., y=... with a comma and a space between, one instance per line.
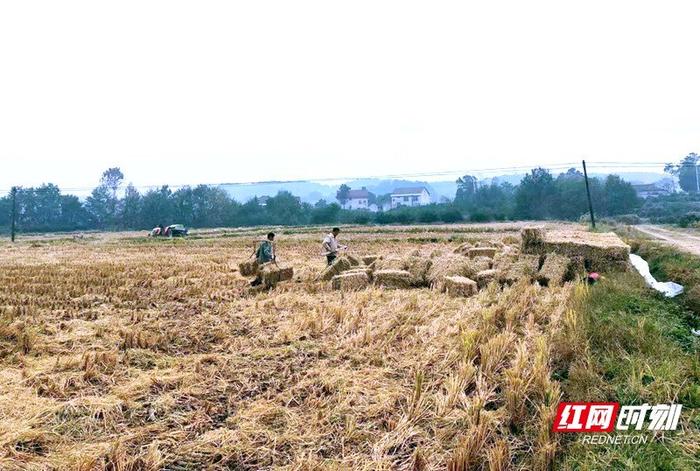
x=205, y=92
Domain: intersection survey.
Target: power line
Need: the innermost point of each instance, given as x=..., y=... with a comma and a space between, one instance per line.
x=555, y=166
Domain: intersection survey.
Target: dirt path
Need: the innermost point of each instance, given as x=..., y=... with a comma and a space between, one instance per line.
x=678, y=238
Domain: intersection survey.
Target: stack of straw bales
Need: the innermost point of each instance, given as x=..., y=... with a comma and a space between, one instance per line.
x=555, y=270
x=340, y=265
x=417, y=266
x=454, y=265
x=526, y=266
x=600, y=251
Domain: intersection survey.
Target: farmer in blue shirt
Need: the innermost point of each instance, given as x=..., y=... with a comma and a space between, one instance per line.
x=266, y=250
x=263, y=254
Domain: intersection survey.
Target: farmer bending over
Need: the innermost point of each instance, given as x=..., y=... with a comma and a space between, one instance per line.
x=264, y=253
x=331, y=246
x=266, y=250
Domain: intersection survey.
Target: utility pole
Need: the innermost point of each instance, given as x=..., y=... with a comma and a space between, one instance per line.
x=697, y=184
x=14, y=213
x=588, y=192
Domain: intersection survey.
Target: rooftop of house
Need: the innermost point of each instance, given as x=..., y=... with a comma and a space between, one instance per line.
x=415, y=190
x=646, y=187
x=358, y=194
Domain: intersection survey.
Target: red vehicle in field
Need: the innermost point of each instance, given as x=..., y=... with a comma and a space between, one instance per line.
x=174, y=230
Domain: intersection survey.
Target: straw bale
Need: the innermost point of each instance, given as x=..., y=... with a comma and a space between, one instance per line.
x=286, y=273
x=532, y=237
x=418, y=268
x=354, y=261
x=510, y=240
x=484, y=277
x=340, y=265
x=366, y=270
x=503, y=261
x=555, y=270
x=578, y=267
x=390, y=263
x=483, y=262
x=459, y=286
x=369, y=259
x=248, y=268
x=526, y=266
x=463, y=249
x=272, y=274
x=509, y=250
x=600, y=251
x=392, y=278
x=350, y=281
x=489, y=252
x=454, y=265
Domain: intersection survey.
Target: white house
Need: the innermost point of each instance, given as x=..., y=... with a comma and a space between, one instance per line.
x=415, y=196
x=647, y=190
x=357, y=199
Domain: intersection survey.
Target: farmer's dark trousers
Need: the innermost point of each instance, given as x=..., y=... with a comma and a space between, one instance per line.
x=331, y=258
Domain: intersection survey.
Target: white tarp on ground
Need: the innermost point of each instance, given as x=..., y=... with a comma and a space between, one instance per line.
x=669, y=288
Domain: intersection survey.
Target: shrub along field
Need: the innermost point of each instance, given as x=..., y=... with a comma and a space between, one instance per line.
x=126, y=353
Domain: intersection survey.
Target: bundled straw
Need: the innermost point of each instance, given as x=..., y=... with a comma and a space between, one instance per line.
x=350, y=281
x=393, y=278
x=340, y=265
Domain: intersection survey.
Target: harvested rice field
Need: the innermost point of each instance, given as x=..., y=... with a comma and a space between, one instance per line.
x=119, y=352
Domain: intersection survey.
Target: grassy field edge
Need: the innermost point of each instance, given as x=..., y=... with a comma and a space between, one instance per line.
x=633, y=346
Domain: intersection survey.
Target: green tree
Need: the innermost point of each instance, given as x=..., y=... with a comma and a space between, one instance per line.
x=383, y=200
x=131, y=207
x=39, y=209
x=494, y=201
x=571, y=188
x=73, y=214
x=466, y=190
x=342, y=194
x=620, y=197
x=5, y=212
x=157, y=207
x=100, y=205
x=251, y=213
x=687, y=172
x=112, y=179
x=536, y=195
x=324, y=213
x=209, y=206
x=285, y=208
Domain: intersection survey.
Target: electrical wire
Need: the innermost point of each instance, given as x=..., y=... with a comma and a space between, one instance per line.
x=475, y=171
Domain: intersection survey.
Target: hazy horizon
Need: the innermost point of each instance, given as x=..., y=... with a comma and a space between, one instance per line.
x=181, y=93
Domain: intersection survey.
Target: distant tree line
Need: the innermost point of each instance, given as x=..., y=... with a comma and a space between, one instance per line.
x=540, y=195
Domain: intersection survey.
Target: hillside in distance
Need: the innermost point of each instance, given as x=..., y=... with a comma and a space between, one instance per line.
x=312, y=192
